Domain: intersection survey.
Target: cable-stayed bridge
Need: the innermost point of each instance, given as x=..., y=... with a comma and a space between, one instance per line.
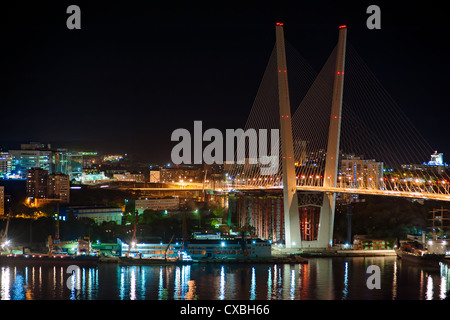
x=340, y=132
x=334, y=138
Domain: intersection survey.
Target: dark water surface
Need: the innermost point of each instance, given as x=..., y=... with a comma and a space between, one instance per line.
x=321, y=279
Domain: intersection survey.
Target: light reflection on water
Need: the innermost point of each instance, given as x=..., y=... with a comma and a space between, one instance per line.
x=323, y=279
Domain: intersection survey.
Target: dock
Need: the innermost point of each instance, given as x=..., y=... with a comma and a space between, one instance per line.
x=331, y=253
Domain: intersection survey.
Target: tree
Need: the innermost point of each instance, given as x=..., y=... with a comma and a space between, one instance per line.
x=388, y=219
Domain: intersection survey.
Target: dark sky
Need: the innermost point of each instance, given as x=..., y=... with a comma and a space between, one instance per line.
x=137, y=70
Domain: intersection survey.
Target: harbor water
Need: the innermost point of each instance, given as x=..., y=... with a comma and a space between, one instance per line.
x=320, y=279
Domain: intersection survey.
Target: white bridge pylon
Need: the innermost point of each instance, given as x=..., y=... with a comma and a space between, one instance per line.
x=292, y=224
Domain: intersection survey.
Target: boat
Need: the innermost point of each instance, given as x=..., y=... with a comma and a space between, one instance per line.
x=181, y=259
x=151, y=261
x=415, y=252
x=428, y=253
x=420, y=257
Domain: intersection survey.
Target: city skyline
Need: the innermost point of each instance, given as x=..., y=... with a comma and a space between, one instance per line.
x=133, y=74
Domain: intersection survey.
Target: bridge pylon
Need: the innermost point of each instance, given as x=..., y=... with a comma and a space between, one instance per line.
x=327, y=212
x=290, y=200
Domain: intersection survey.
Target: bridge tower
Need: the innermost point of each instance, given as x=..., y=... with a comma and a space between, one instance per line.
x=290, y=200
x=326, y=222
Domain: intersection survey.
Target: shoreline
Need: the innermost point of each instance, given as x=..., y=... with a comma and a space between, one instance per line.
x=347, y=253
x=278, y=256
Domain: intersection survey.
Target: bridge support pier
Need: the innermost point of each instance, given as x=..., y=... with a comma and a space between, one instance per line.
x=291, y=214
x=326, y=223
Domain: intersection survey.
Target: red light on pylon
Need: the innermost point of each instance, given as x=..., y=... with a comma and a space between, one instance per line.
x=343, y=26
x=279, y=24
x=339, y=72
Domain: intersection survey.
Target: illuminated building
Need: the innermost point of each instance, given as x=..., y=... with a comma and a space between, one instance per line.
x=37, y=183
x=186, y=174
x=74, y=165
x=91, y=178
x=204, y=248
x=359, y=173
x=156, y=204
x=59, y=187
x=60, y=161
x=24, y=160
x=31, y=155
x=437, y=159
x=5, y=164
x=130, y=177
x=41, y=185
x=99, y=214
x=91, y=159
x=155, y=176
x=113, y=158
x=436, y=165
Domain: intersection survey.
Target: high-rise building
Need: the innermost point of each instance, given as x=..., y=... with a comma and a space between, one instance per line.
x=41, y=185
x=5, y=164
x=37, y=183
x=74, y=165
x=59, y=161
x=359, y=173
x=59, y=187
x=31, y=155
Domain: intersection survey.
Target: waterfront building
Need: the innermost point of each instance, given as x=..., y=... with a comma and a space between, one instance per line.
x=361, y=242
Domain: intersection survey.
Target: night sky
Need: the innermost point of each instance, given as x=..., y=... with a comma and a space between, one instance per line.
x=137, y=70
